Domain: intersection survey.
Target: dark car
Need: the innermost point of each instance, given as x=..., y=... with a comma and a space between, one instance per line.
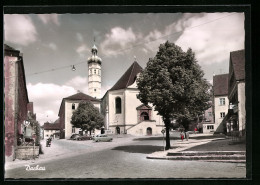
x=74, y=136
x=84, y=137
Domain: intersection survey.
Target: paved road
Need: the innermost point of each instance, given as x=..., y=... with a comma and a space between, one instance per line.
x=122, y=158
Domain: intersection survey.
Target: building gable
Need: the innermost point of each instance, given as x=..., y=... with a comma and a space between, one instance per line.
x=144, y=107
x=128, y=78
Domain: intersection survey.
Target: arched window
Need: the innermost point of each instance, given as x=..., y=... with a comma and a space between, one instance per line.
x=73, y=106
x=118, y=105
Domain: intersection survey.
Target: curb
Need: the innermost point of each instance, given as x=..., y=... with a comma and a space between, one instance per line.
x=201, y=153
x=202, y=160
x=207, y=156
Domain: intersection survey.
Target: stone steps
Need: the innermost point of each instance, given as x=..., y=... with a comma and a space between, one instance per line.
x=207, y=156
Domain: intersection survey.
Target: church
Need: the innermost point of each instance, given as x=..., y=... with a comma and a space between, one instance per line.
x=122, y=111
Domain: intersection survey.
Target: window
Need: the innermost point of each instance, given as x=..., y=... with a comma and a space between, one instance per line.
x=118, y=105
x=145, y=116
x=222, y=114
x=95, y=90
x=210, y=127
x=73, y=129
x=221, y=101
x=90, y=72
x=95, y=71
x=73, y=106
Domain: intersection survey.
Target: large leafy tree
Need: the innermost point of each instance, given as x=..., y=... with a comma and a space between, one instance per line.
x=173, y=82
x=87, y=117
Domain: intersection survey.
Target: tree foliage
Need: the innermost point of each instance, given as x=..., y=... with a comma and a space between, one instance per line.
x=173, y=82
x=87, y=117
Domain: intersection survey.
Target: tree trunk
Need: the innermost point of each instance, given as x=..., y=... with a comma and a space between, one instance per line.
x=167, y=125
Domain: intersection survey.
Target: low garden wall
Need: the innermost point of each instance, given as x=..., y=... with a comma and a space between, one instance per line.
x=27, y=152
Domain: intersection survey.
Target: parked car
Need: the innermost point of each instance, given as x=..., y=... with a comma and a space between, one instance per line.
x=84, y=137
x=74, y=136
x=102, y=137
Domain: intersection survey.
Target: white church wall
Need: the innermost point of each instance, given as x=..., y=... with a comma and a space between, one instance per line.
x=141, y=128
x=154, y=113
x=116, y=119
x=131, y=103
x=157, y=118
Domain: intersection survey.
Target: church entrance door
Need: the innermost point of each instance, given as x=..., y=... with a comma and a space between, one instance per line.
x=149, y=131
x=118, y=130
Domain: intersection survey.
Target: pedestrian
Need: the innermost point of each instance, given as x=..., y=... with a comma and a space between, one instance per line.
x=195, y=130
x=182, y=135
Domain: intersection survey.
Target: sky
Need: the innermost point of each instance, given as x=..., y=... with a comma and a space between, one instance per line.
x=52, y=43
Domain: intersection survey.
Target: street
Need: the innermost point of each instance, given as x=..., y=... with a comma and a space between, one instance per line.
x=124, y=157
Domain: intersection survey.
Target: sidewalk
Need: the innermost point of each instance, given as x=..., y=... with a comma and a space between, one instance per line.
x=200, y=144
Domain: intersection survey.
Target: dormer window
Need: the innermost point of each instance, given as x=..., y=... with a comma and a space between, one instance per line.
x=73, y=106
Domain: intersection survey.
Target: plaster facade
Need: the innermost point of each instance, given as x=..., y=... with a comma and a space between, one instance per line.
x=68, y=114
x=128, y=120
x=241, y=106
x=10, y=105
x=94, y=80
x=219, y=110
x=15, y=100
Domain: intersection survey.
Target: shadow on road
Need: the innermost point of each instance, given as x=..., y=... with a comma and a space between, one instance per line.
x=144, y=149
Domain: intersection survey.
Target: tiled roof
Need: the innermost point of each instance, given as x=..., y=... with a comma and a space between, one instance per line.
x=78, y=96
x=57, y=121
x=9, y=51
x=51, y=126
x=237, y=58
x=220, y=84
x=81, y=96
x=128, y=78
x=8, y=47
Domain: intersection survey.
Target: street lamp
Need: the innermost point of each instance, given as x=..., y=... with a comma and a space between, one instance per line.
x=163, y=131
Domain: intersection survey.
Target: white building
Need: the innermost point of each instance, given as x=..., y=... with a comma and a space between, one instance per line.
x=236, y=120
x=68, y=105
x=124, y=113
x=51, y=129
x=221, y=102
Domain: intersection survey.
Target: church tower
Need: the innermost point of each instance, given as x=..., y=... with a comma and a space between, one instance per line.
x=94, y=74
